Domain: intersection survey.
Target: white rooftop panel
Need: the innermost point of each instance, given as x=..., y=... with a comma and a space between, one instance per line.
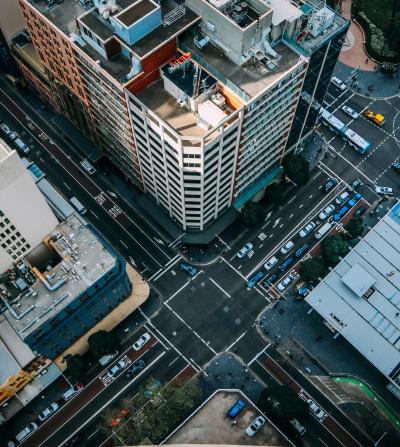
x=358, y=280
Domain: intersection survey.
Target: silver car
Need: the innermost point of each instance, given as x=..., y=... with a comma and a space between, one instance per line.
x=253, y=428
x=350, y=112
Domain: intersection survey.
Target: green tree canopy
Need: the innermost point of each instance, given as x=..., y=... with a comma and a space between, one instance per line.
x=252, y=214
x=311, y=270
x=334, y=247
x=103, y=342
x=282, y=401
x=355, y=227
x=274, y=194
x=297, y=168
x=76, y=367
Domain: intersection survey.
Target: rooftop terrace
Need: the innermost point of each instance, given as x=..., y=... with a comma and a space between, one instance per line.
x=56, y=272
x=250, y=78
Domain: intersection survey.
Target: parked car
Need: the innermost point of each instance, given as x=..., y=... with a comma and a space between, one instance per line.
x=135, y=368
x=342, y=197
x=255, y=279
x=245, y=250
x=301, y=250
x=315, y=409
x=307, y=229
x=270, y=263
x=187, y=268
x=141, y=341
x=388, y=68
x=325, y=213
x=340, y=213
x=331, y=183
x=384, y=190
x=354, y=200
x=396, y=166
x=253, y=428
x=355, y=184
x=301, y=430
x=285, y=264
x=350, y=112
x=47, y=412
x=236, y=409
x=360, y=211
x=69, y=394
x=285, y=283
x=271, y=279
x=287, y=247
x=116, y=369
x=29, y=429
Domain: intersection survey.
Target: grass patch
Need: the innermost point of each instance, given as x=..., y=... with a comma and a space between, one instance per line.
x=379, y=12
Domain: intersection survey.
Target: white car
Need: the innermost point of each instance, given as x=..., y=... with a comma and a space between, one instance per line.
x=315, y=409
x=307, y=229
x=287, y=247
x=342, y=197
x=30, y=428
x=117, y=368
x=47, y=412
x=141, y=341
x=285, y=282
x=350, y=112
x=384, y=190
x=253, y=428
x=338, y=83
x=326, y=212
x=270, y=263
x=13, y=136
x=246, y=249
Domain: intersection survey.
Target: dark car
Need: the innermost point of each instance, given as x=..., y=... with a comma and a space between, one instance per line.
x=271, y=279
x=331, y=183
x=135, y=368
x=396, y=166
x=388, y=68
x=285, y=264
x=360, y=211
x=301, y=250
x=255, y=279
x=188, y=268
x=355, y=184
x=75, y=441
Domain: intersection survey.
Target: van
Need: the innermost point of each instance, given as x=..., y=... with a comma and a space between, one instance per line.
x=21, y=145
x=338, y=83
x=106, y=359
x=87, y=167
x=30, y=428
x=298, y=427
x=323, y=230
x=78, y=205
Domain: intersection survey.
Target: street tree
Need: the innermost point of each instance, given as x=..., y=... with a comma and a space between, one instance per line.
x=333, y=247
x=297, y=168
x=312, y=269
x=252, y=214
x=355, y=227
x=103, y=342
x=76, y=367
x=282, y=402
x=274, y=194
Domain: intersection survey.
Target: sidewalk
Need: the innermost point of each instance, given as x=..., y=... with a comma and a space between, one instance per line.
x=354, y=59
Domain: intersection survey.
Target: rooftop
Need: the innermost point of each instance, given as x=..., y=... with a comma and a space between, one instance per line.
x=252, y=77
x=53, y=274
x=361, y=296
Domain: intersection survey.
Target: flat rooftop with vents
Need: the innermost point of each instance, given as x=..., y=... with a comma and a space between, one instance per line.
x=52, y=275
x=360, y=297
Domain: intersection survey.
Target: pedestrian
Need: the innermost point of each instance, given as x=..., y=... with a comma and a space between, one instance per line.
x=366, y=61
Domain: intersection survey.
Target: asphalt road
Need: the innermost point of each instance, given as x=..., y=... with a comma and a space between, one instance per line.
x=212, y=312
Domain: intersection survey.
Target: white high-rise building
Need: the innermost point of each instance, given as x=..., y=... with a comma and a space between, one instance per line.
x=19, y=198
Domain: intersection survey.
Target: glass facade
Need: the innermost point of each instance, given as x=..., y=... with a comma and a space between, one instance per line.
x=319, y=73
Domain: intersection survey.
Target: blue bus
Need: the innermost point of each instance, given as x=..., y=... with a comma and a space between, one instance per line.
x=335, y=125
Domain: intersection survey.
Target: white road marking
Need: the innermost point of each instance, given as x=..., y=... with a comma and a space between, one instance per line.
x=67, y=186
x=219, y=287
x=95, y=215
x=123, y=243
x=239, y=338
x=258, y=355
x=173, y=361
x=176, y=293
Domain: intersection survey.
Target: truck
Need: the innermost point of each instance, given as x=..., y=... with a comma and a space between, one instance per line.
x=78, y=205
x=376, y=118
x=323, y=230
x=21, y=145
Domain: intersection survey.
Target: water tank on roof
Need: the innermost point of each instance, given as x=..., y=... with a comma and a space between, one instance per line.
x=320, y=21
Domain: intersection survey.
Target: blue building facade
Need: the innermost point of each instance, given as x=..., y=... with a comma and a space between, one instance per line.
x=56, y=334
